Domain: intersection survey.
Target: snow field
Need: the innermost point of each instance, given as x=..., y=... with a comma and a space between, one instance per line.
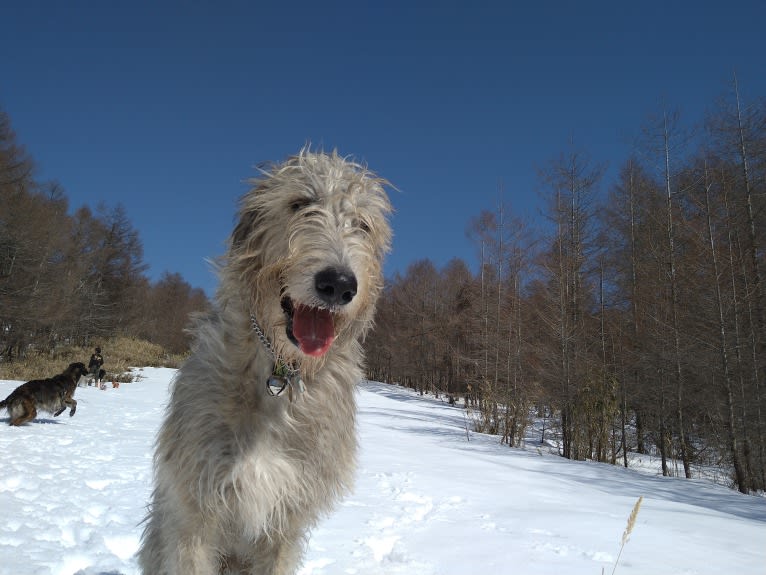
x=73, y=493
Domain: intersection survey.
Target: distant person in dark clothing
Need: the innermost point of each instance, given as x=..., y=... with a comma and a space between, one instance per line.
x=94, y=366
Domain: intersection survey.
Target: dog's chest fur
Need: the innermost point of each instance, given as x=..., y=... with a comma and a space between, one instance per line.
x=272, y=456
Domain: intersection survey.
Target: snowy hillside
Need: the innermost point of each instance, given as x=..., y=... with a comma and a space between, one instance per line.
x=427, y=502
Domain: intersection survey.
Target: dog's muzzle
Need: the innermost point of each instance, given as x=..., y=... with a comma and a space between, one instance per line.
x=312, y=328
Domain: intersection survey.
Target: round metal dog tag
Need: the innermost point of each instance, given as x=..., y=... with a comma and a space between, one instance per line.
x=276, y=384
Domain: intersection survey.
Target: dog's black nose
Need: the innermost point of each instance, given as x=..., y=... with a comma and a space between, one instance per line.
x=335, y=286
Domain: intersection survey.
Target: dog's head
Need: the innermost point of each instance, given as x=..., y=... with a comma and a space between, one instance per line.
x=76, y=370
x=308, y=251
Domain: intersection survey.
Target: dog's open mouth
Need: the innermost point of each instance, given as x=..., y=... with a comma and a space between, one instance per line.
x=312, y=329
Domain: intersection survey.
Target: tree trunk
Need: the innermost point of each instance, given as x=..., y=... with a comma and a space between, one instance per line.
x=739, y=468
x=679, y=379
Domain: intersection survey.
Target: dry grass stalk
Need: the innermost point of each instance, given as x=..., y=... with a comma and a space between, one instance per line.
x=628, y=530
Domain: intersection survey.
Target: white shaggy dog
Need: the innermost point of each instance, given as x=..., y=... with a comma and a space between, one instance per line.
x=259, y=436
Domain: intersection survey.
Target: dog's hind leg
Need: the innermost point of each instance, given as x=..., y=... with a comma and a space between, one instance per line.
x=29, y=413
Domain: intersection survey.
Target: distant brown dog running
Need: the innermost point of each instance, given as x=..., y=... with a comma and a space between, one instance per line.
x=52, y=395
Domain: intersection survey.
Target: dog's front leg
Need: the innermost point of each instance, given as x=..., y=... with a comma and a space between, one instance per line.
x=175, y=543
x=72, y=406
x=278, y=555
x=195, y=556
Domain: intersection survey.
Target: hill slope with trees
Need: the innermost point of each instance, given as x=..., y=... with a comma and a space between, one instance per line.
x=76, y=278
x=635, y=322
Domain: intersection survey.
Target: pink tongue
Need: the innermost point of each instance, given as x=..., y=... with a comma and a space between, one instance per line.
x=314, y=329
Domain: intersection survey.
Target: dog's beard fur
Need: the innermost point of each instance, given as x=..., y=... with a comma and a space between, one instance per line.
x=241, y=476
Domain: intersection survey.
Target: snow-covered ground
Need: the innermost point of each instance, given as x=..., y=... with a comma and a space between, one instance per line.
x=427, y=501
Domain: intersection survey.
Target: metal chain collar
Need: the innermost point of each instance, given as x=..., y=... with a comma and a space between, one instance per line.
x=283, y=376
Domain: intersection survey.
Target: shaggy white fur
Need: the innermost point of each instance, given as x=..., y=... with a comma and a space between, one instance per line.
x=241, y=475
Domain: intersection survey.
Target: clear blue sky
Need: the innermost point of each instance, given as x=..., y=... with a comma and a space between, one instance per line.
x=165, y=107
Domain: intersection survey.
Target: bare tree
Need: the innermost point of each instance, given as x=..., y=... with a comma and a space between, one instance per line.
x=739, y=467
x=572, y=182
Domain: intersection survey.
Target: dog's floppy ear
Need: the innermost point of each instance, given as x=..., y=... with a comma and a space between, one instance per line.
x=242, y=230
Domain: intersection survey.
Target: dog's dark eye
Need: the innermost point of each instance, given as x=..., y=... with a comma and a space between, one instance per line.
x=300, y=203
x=354, y=224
